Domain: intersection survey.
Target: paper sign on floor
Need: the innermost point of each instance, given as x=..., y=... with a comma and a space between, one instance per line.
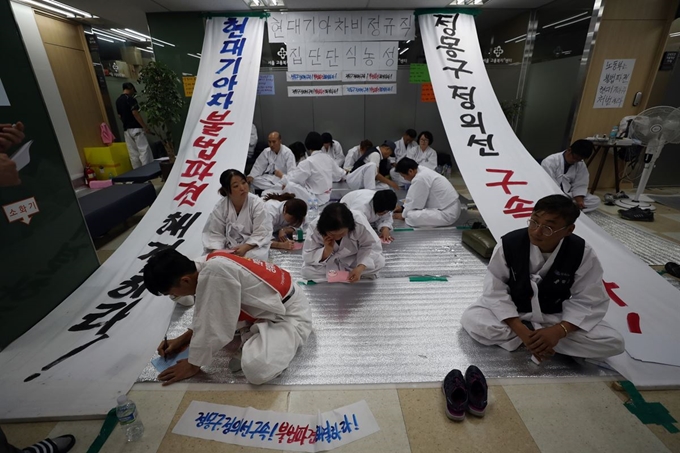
x=277, y=430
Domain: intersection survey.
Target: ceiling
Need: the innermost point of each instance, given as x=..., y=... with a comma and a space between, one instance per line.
x=132, y=13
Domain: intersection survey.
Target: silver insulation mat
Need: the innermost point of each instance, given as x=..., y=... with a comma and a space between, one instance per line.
x=673, y=281
x=416, y=252
x=389, y=331
x=650, y=248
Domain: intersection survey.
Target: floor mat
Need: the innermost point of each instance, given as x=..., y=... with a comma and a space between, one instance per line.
x=672, y=201
x=651, y=249
x=389, y=331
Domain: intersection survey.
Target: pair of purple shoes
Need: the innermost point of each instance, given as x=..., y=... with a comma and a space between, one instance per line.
x=465, y=393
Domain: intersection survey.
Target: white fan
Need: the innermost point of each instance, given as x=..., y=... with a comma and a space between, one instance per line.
x=654, y=127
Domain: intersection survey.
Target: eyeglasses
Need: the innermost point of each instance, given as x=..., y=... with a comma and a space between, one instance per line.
x=546, y=230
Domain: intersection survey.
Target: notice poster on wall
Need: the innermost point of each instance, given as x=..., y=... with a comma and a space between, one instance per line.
x=314, y=91
x=265, y=85
x=613, y=86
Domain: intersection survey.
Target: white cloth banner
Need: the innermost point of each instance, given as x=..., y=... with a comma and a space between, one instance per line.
x=277, y=430
x=339, y=56
x=505, y=182
x=93, y=346
x=316, y=26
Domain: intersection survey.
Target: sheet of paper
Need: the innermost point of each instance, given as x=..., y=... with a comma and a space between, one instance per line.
x=276, y=430
x=22, y=157
x=162, y=364
x=4, y=100
x=337, y=276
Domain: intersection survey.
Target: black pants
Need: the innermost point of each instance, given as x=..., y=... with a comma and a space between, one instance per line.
x=5, y=447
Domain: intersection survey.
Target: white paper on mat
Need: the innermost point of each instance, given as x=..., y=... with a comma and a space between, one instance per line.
x=277, y=430
x=4, y=100
x=92, y=347
x=505, y=182
x=23, y=156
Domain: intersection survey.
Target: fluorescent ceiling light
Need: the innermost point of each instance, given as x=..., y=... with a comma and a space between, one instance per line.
x=673, y=35
x=572, y=22
x=129, y=35
x=69, y=8
x=198, y=54
x=519, y=40
x=466, y=2
x=564, y=20
x=138, y=33
x=516, y=37
x=400, y=53
x=274, y=3
x=195, y=56
x=157, y=44
x=99, y=33
x=104, y=39
x=145, y=50
x=49, y=8
x=88, y=32
x=163, y=42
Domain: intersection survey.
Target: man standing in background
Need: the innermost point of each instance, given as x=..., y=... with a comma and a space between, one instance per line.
x=134, y=127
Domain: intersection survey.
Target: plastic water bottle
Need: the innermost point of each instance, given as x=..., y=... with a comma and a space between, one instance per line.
x=613, y=134
x=129, y=419
x=312, y=209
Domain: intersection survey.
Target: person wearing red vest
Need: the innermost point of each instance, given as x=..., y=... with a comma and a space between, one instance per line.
x=253, y=297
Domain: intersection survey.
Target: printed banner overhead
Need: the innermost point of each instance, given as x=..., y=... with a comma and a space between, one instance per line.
x=505, y=182
x=316, y=26
x=92, y=347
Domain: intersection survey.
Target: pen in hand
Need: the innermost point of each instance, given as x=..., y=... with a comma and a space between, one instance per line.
x=165, y=347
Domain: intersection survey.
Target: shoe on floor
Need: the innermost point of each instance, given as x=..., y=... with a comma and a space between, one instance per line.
x=234, y=364
x=609, y=199
x=673, y=269
x=477, y=391
x=456, y=395
x=637, y=214
x=60, y=444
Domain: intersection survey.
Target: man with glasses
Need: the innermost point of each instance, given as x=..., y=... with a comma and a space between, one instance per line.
x=569, y=172
x=543, y=289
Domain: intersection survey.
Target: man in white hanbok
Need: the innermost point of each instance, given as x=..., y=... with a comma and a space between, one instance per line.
x=377, y=206
x=431, y=200
x=355, y=153
x=271, y=165
x=405, y=146
x=569, y=171
x=314, y=176
x=370, y=171
x=341, y=239
x=251, y=307
x=543, y=289
x=333, y=149
x=238, y=221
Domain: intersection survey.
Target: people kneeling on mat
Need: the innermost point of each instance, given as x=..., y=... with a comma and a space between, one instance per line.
x=543, y=288
x=341, y=240
x=431, y=200
x=248, y=305
x=377, y=206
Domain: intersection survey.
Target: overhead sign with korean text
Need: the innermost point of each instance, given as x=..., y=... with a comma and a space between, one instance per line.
x=319, y=26
x=342, y=56
x=92, y=347
x=505, y=182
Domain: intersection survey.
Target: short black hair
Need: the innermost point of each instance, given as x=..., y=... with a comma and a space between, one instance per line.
x=296, y=208
x=561, y=205
x=164, y=270
x=334, y=217
x=225, y=180
x=129, y=86
x=406, y=164
x=411, y=133
x=582, y=148
x=326, y=137
x=313, y=141
x=298, y=149
x=384, y=200
x=366, y=144
x=428, y=136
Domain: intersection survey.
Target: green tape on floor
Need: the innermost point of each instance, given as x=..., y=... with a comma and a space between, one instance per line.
x=109, y=425
x=648, y=413
x=427, y=278
x=307, y=282
x=402, y=229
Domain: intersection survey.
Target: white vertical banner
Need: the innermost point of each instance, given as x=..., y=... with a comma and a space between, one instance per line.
x=505, y=182
x=92, y=347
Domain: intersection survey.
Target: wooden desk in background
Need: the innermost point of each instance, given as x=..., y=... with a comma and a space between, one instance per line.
x=605, y=147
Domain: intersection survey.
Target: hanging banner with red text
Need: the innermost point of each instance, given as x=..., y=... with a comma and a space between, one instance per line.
x=505, y=182
x=94, y=345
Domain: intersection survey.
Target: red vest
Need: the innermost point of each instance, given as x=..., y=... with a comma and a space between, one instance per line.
x=273, y=276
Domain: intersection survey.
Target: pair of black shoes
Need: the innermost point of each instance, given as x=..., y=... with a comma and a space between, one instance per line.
x=465, y=393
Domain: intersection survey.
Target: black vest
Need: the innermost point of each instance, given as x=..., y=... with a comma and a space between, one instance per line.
x=383, y=168
x=556, y=286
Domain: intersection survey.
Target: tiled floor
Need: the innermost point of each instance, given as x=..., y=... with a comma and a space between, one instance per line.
x=522, y=416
